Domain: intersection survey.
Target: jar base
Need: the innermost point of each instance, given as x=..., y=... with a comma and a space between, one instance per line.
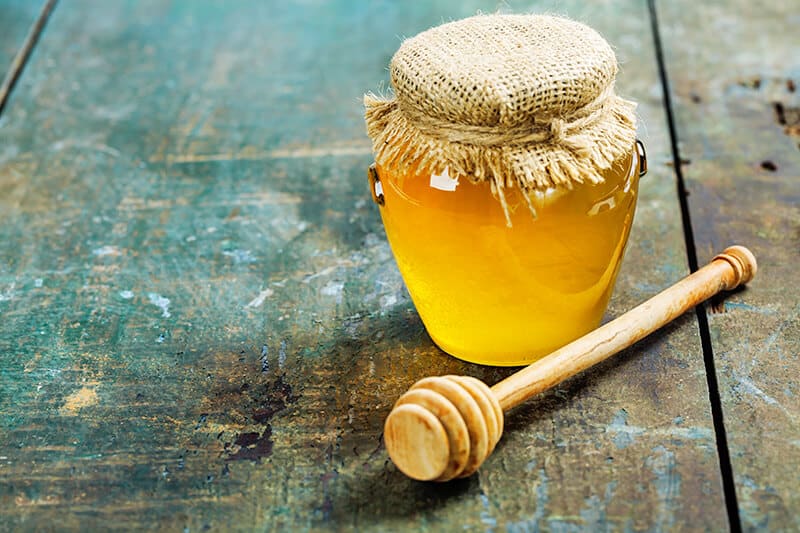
x=519, y=356
x=492, y=361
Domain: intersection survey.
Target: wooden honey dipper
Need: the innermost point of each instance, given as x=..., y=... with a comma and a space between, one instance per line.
x=445, y=427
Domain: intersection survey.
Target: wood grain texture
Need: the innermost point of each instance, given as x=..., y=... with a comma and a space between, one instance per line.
x=16, y=19
x=202, y=324
x=734, y=69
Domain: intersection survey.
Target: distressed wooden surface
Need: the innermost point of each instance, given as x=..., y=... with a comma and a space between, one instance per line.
x=16, y=18
x=202, y=324
x=735, y=72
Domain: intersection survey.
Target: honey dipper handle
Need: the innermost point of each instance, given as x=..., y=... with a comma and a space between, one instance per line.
x=733, y=267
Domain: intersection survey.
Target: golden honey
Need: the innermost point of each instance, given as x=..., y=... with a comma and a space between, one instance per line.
x=498, y=295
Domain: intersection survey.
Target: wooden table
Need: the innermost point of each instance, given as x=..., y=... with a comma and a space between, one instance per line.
x=202, y=326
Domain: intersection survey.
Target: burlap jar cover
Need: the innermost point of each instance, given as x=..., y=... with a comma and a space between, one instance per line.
x=515, y=100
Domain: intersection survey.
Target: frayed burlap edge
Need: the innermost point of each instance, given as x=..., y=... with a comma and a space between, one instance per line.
x=397, y=143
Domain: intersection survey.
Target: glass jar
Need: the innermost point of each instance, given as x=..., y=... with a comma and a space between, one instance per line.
x=499, y=295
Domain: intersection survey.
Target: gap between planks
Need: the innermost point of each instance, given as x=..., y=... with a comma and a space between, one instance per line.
x=723, y=453
x=21, y=58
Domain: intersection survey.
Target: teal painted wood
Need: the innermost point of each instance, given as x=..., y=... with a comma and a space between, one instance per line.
x=16, y=18
x=202, y=324
x=735, y=70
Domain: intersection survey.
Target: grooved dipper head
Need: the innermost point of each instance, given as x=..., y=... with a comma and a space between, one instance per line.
x=443, y=428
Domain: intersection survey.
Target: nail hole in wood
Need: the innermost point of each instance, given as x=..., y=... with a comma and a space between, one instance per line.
x=769, y=165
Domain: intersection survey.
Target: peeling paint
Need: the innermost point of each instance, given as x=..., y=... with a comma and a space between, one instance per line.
x=261, y=298
x=8, y=294
x=751, y=308
x=625, y=434
x=160, y=302
x=106, y=250
x=332, y=288
x=80, y=399
x=240, y=256
x=667, y=483
x=282, y=355
x=745, y=385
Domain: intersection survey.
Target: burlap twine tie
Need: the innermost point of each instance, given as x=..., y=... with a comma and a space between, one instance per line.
x=515, y=100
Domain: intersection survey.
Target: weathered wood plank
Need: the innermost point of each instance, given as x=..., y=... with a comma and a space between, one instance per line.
x=202, y=324
x=16, y=18
x=734, y=69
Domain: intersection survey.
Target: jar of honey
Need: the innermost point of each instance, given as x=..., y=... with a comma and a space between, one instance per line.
x=507, y=175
